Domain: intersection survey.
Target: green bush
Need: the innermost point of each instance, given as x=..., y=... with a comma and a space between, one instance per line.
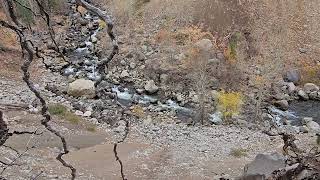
x=57, y=109
x=61, y=111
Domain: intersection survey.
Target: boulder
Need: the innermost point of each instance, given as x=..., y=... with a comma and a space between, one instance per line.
x=291, y=87
x=282, y=104
x=204, y=44
x=313, y=95
x=82, y=87
x=124, y=74
x=265, y=164
x=310, y=87
x=151, y=87
x=305, y=120
x=292, y=76
x=303, y=95
x=216, y=118
x=313, y=126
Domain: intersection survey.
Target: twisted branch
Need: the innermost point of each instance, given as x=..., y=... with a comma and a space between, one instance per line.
x=28, y=54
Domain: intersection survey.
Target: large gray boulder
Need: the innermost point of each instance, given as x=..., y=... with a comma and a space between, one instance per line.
x=151, y=87
x=82, y=88
x=265, y=164
x=292, y=76
x=312, y=125
x=303, y=95
x=282, y=104
x=310, y=87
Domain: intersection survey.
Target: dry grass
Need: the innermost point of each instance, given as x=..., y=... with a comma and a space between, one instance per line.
x=91, y=128
x=239, y=152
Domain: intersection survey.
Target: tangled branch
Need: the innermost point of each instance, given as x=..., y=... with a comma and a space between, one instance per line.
x=298, y=161
x=28, y=55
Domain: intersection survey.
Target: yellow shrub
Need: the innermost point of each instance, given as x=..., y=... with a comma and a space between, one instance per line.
x=102, y=24
x=138, y=111
x=229, y=103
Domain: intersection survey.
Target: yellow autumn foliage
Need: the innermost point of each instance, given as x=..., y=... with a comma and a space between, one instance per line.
x=229, y=103
x=138, y=111
x=102, y=24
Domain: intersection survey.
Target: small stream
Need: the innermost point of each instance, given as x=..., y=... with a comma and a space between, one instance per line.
x=296, y=112
x=128, y=97
x=303, y=109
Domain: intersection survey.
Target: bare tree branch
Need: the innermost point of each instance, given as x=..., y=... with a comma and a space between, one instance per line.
x=28, y=54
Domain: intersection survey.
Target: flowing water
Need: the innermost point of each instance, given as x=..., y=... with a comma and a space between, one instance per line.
x=305, y=109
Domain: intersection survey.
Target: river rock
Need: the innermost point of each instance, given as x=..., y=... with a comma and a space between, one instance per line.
x=87, y=114
x=310, y=87
x=303, y=129
x=282, y=104
x=265, y=164
x=313, y=126
x=151, y=87
x=291, y=87
x=124, y=74
x=303, y=95
x=82, y=87
x=314, y=95
x=216, y=118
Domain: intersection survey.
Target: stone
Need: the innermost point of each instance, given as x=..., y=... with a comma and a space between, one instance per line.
x=305, y=120
x=282, y=104
x=303, y=129
x=214, y=94
x=87, y=114
x=303, y=50
x=78, y=113
x=83, y=22
x=124, y=74
x=151, y=87
x=291, y=87
x=216, y=118
x=303, y=95
x=132, y=65
x=292, y=76
x=204, y=44
x=82, y=88
x=265, y=164
x=140, y=56
x=313, y=95
x=310, y=87
x=313, y=126
x=94, y=39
